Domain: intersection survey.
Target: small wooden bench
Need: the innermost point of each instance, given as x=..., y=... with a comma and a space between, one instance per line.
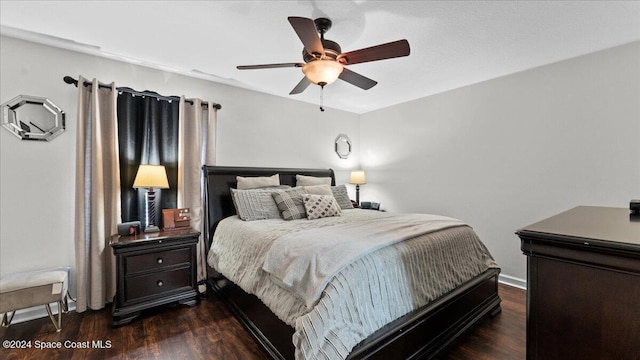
x=33, y=288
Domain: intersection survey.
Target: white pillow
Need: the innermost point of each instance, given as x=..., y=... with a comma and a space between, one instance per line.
x=303, y=180
x=255, y=182
x=317, y=190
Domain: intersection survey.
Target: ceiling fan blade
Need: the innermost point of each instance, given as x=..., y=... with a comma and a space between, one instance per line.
x=302, y=86
x=269, y=66
x=379, y=52
x=306, y=30
x=356, y=79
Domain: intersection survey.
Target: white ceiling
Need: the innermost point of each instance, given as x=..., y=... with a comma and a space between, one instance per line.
x=453, y=43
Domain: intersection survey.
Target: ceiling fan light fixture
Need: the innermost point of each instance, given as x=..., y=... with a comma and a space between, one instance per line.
x=322, y=72
x=324, y=59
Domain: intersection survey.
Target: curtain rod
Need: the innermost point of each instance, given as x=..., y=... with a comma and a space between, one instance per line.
x=71, y=81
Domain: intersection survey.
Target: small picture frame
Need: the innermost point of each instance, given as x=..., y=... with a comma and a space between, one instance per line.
x=129, y=228
x=134, y=229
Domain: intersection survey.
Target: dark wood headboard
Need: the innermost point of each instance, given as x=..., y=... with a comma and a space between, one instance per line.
x=219, y=179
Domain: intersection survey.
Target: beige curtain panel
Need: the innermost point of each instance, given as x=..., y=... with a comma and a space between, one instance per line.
x=196, y=147
x=97, y=210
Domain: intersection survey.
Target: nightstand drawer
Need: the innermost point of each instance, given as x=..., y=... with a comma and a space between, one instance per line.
x=140, y=287
x=156, y=260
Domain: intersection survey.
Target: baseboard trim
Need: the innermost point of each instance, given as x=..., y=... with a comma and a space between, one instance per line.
x=38, y=312
x=513, y=281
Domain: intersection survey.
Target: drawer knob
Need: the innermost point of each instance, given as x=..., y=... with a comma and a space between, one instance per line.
x=160, y=283
x=159, y=260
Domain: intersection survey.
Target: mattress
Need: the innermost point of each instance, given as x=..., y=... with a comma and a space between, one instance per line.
x=363, y=296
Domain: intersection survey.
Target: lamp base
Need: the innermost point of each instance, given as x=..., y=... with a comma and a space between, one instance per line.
x=151, y=229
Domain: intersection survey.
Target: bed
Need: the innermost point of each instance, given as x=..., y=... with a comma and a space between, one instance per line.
x=423, y=332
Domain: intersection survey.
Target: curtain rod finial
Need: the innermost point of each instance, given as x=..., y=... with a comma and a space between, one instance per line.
x=69, y=80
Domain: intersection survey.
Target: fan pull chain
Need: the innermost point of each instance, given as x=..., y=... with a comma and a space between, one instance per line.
x=322, y=98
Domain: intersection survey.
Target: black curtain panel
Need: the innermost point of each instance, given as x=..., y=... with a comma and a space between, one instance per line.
x=147, y=134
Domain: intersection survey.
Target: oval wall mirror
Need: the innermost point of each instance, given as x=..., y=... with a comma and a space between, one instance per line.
x=343, y=146
x=33, y=118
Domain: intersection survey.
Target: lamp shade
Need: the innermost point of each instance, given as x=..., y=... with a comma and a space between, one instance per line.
x=357, y=177
x=322, y=72
x=151, y=176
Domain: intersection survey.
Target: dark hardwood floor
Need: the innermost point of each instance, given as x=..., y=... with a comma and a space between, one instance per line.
x=209, y=331
x=500, y=338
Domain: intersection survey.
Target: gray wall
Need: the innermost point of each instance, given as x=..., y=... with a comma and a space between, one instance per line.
x=499, y=154
x=37, y=178
x=510, y=151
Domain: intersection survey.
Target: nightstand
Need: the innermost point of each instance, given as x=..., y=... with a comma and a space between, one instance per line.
x=152, y=270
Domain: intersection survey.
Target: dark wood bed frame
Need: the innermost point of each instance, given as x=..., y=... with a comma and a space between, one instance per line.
x=422, y=333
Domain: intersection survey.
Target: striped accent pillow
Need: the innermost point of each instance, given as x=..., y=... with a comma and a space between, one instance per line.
x=320, y=206
x=290, y=204
x=256, y=204
x=342, y=196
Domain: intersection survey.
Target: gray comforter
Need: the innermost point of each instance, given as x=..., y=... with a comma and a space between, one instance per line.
x=365, y=295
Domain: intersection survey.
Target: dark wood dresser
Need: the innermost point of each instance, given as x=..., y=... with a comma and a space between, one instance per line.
x=583, y=279
x=154, y=269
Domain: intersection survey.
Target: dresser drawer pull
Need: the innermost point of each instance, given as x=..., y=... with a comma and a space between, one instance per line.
x=160, y=283
x=159, y=260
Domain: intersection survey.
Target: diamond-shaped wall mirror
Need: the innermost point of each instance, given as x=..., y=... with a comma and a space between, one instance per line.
x=32, y=118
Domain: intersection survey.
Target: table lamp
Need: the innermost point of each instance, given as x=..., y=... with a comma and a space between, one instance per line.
x=151, y=177
x=357, y=178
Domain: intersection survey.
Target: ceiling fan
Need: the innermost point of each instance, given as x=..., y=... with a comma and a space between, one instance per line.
x=324, y=61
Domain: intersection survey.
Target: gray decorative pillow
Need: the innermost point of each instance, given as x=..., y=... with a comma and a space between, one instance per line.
x=317, y=190
x=256, y=204
x=290, y=204
x=320, y=206
x=255, y=182
x=304, y=180
x=342, y=196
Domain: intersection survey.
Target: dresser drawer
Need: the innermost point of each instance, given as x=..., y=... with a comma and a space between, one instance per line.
x=143, y=286
x=156, y=260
